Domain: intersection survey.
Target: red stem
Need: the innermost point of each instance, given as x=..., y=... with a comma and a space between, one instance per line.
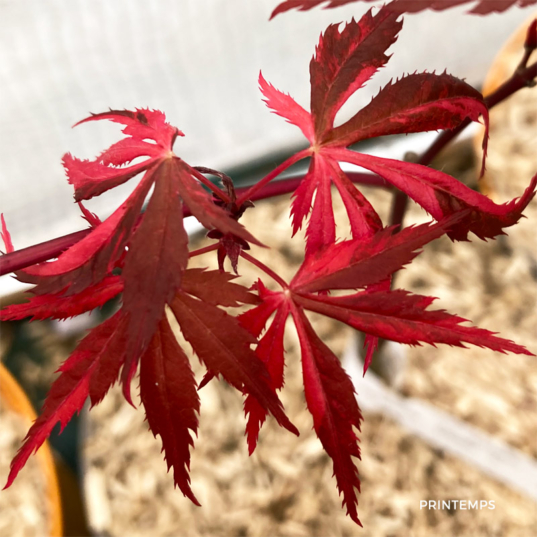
x=204, y=250
x=213, y=188
x=250, y=193
x=38, y=253
x=285, y=186
x=265, y=269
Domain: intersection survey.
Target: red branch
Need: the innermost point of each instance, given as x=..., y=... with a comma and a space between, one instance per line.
x=522, y=78
x=50, y=249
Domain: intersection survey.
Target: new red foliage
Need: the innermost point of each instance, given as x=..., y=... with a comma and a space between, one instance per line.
x=151, y=252
x=376, y=311
x=343, y=62
x=144, y=257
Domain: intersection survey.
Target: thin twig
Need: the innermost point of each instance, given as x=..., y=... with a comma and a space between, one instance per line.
x=265, y=269
x=39, y=253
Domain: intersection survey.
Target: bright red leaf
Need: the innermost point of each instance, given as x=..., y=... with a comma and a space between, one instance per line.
x=378, y=312
x=331, y=401
x=270, y=351
x=6, y=236
x=362, y=263
x=344, y=61
x=57, y=306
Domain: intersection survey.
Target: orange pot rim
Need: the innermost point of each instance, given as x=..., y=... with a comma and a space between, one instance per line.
x=15, y=399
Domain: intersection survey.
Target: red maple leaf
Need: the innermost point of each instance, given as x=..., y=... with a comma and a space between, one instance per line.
x=480, y=7
x=153, y=248
x=378, y=312
x=343, y=62
x=167, y=386
x=150, y=251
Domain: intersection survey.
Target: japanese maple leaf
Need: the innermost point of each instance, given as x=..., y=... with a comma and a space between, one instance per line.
x=167, y=385
x=343, y=62
x=480, y=7
x=153, y=247
x=396, y=315
x=150, y=251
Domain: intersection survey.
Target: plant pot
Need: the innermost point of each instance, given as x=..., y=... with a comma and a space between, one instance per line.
x=512, y=160
x=512, y=120
x=23, y=501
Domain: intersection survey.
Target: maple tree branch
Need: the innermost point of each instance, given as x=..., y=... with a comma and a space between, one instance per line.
x=285, y=186
x=265, y=269
x=41, y=252
x=521, y=78
x=250, y=193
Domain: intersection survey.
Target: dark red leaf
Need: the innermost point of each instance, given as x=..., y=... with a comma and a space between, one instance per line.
x=224, y=346
x=110, y=362
x=171, y=402
x=215, y=287
x=415, y=103
x=441, y=196
x=344, y=61
x=154, y=265
x=331, y=400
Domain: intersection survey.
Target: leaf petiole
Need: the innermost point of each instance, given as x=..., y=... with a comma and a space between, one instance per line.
x=265, y=269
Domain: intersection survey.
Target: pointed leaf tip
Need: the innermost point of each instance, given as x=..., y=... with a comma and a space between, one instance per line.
x=170, y=398
x=6, y=236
